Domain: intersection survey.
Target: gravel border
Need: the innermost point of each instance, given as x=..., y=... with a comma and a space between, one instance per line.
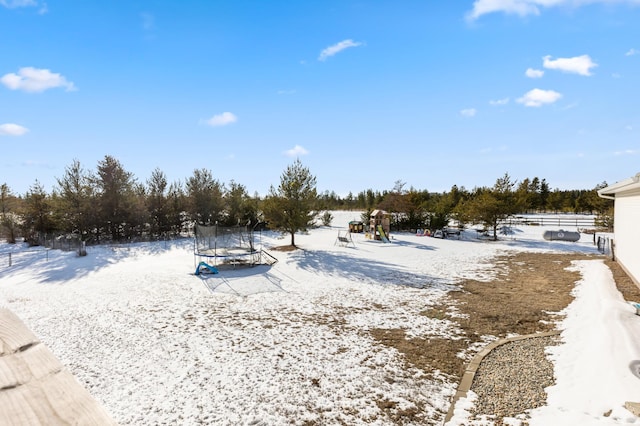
x=508, y=375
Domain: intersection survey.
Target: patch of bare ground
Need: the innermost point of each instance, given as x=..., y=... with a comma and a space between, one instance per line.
x=287, y=247
x=528, y=289
x=627, y=287
x=524, y=298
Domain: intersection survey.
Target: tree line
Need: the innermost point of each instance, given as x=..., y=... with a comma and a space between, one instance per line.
x=489, y=206
x=110, y=204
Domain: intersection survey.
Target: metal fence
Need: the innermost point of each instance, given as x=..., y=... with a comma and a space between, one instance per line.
x=23, y=257
x=60, y=242
x=604, y=245
x=66, y=242
x=578, y=222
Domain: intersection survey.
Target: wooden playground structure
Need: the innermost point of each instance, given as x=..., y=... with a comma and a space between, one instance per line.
x=379, y=226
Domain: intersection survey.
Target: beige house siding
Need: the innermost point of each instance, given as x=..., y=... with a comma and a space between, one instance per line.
x=627, y=233
x=626, y=196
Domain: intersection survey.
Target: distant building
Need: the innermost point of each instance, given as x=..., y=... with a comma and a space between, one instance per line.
x=626, y=223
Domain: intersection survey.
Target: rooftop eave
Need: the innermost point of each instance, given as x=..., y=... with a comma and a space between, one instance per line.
x=627, y=185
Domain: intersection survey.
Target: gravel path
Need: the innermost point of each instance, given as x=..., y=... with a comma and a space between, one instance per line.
x=511, y=379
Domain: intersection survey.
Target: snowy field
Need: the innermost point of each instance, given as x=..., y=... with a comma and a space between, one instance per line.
x=288, y=344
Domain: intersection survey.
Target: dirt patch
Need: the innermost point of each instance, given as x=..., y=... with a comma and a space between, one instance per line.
x=627, y=287
x=288, y=247
x=426, y=354
x=528, y=290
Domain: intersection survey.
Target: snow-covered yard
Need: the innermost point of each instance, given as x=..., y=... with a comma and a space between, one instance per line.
x=288, y=344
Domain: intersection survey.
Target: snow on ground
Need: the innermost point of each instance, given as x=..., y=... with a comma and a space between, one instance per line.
x=598, y=365
x=268, y=345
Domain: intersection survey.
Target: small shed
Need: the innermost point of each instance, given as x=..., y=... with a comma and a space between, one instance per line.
x=626, y=196
x=356, y=226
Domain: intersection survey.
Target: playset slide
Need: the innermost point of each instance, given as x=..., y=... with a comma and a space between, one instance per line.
x=383, y=237
x=203, y=265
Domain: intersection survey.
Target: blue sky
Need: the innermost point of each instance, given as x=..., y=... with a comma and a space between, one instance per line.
x=431, y=93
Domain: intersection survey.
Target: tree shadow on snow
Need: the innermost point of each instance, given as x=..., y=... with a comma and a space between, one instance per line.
x=405, y=243
x=57, y=265
x=344, y=265
x=564, y=246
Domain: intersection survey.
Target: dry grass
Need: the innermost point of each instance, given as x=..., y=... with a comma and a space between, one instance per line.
x=287, y=247
x=625, y=284
x=529, y=287
x=528, y=290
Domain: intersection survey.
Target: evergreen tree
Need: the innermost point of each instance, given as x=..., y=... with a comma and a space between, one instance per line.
x=290, y=207
x=525, y=196
x=556, y=200
x=116, y=197
x=441, y=209
x=240, y=210
x=536, y=198
x=139, y=217
x=8, y=217
x=75, y=201
x=37, y=214
x=490, y=206
x=176, y=207
x=544, y=194
x=204, y=197
x=158, y=203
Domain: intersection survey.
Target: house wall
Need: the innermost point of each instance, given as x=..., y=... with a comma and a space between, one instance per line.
x=627, y=232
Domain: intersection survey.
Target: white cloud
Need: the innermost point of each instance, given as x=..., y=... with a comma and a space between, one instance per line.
x=577, y=65
x=628, y=127
x=336, y=48
x=469, y=112
x=286, y=92
x=539, y=97
x=632, y=52
x=511, y=7
x=489, y=149
x=529, y=7
x=626, y=152
x=499, y=102
x=12, y=4
x=221, y=119
x=10, y=129
x=296, y=151
x=35, y=80
x=531, y=73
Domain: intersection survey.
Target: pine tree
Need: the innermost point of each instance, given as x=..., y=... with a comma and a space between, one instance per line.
x=37, y=214
x=157, y=202
x=75, y=201
x=291, y=207
x=8, y=219
x=490, y=206
x=239, y=208
x=116, y=196
x=204, y=197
